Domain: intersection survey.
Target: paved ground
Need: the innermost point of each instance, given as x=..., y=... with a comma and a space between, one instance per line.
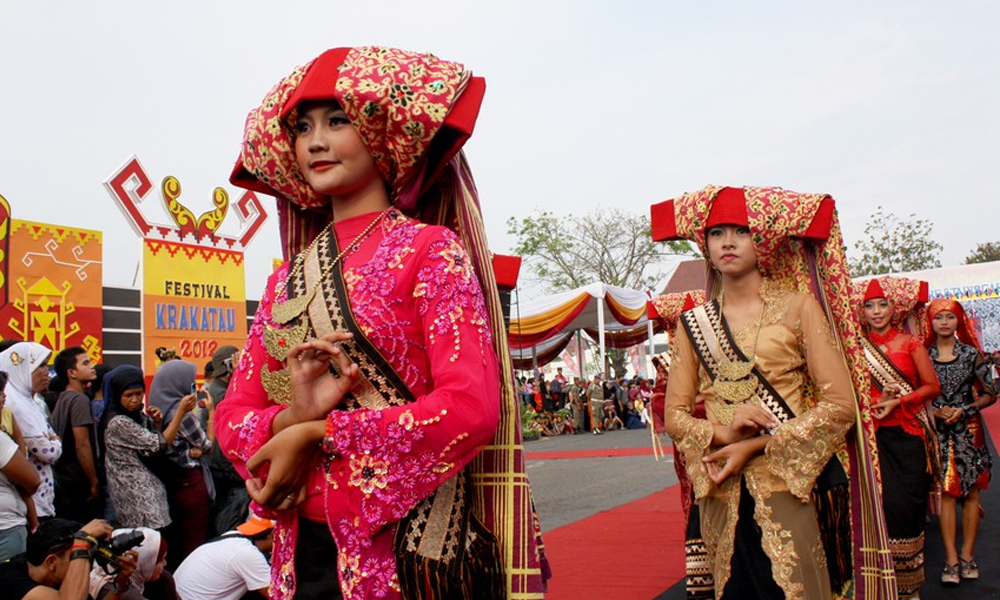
x=570, y=489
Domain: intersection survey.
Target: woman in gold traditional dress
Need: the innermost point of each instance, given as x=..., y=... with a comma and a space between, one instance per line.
x=779, y=398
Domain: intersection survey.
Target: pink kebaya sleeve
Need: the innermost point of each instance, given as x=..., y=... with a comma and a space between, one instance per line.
x=243, y=419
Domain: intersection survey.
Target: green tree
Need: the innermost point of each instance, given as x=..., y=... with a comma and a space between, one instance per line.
x=610, y=246
x=892, y=245
x=987, y=252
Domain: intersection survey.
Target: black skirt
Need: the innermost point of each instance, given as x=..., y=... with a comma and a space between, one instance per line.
x=316, y=563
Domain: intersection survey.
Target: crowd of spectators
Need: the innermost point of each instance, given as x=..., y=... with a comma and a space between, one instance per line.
x=121, y=469
x=561, y=405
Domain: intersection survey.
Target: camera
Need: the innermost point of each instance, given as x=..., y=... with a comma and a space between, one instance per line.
x=107, y=551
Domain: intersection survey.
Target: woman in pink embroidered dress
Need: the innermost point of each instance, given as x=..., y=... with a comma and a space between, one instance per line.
x=376, y=370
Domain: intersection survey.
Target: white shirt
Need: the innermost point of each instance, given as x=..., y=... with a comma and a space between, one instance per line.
x=12, y=508
x=225, y=569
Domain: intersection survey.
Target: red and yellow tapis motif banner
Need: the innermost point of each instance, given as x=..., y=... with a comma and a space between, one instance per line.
x=53, y=281
x=193, y=300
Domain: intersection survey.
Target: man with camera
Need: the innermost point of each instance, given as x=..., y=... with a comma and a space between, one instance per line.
x=58, y=561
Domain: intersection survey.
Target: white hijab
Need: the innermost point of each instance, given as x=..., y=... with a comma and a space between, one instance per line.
x=148, y=551
x=19, y=361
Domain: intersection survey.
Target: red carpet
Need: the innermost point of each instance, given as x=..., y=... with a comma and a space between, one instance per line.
x=632, y=552
x=594, y=453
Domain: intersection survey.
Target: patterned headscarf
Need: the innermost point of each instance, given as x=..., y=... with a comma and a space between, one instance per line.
x=413, y=113
x=966, y=330
x=906, y=296
x=798, y=243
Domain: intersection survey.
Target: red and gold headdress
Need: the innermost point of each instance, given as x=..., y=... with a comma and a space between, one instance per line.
x=413, y=113
x=670, y=306
x=966, y=330
x=798, y=244
x=907, y=297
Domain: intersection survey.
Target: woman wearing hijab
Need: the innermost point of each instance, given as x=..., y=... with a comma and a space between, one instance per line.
x=390, y=283
x=967, y=386
x=151, y=559
x=779, y=399
x=26, y=364
x=903, y=383
x=191, y=491
x=128, y=436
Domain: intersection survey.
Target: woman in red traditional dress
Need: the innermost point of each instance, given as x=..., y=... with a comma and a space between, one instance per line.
x=903, y=385
x=373, y=408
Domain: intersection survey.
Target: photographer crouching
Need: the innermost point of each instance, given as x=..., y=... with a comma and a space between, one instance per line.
x=58, y=561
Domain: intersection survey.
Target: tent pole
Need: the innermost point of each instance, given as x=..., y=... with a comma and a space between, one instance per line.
x=649, y=334
x=600, y=333
x=579, y=353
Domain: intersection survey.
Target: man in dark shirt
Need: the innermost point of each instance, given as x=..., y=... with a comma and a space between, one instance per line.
x=78, y=496
x=57, y=563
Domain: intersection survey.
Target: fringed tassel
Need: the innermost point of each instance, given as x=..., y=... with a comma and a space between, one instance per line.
x=833, y=511
x=478, y=574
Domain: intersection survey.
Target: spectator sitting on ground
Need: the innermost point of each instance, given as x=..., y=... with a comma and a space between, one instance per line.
x=229, y=566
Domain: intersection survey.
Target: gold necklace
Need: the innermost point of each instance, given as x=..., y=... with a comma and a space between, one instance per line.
x=735, y=381
x=285, y=312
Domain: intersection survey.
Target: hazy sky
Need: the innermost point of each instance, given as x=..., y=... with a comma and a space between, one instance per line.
x=589, y=104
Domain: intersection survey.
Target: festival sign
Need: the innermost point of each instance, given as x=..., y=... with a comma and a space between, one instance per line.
x=52, y=282
x=194, y=289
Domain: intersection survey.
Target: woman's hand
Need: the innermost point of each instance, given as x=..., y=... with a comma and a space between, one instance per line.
x=315, y=390
x=882, y=409
x=748, y=421
x=730, y=460
x=289, y=456
x=156, y=415
x=208, y=402
x=128, y=561
x=187, y=404
x=950, y=415
x=892, y=391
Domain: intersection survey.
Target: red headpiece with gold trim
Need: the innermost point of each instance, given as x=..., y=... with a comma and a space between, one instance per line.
x=966, y=330
x=670, y=306
x=413, y=113
x=774, y=216
x=906, y=296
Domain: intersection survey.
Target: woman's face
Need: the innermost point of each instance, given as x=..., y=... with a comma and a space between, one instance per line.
x=945, y=323
x=730, y=248
x=878, y=314
x=132, y=399
x=40, y=379
x=330, y=154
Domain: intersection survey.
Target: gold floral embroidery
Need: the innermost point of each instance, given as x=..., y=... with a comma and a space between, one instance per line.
x=777, y=542
x=277, y=384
